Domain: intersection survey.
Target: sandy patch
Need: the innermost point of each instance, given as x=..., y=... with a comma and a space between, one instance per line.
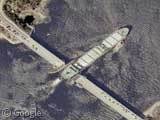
x=153, y=111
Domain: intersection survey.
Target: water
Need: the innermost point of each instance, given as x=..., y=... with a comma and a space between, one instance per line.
x=56, y=24
x=82, y=26
x=59, y=98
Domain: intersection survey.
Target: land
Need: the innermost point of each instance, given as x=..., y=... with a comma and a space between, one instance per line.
x=132, y=73
x=18, y=94
x=153, y=112
x=26, y=13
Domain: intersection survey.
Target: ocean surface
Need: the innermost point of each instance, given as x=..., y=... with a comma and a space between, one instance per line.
x=132, y=73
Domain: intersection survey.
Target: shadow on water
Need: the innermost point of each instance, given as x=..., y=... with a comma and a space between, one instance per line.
x=57, y=9
x=51, y=49
x=114, y=95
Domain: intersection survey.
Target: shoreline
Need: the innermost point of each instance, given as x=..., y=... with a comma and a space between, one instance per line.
x=44, y=11
x=153, y=110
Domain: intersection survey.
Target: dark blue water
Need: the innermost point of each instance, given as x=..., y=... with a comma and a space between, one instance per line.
x=58, y=11
x=60, y=97
x=56, y=8
x=114, y=95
